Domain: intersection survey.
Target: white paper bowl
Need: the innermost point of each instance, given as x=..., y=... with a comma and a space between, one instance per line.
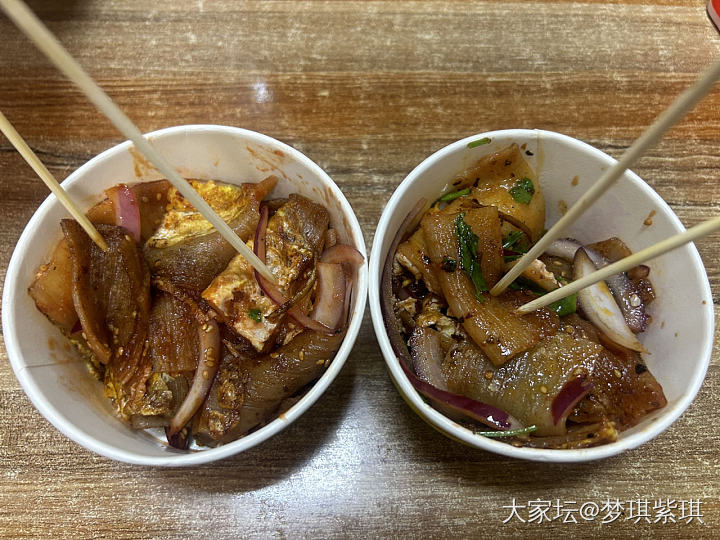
x=681, y=334
x=54, y=378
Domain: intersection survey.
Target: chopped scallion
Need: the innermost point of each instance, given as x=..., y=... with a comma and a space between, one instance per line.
x=509, y=433
x=565, y=306
x=479, y=142
x=454, y=195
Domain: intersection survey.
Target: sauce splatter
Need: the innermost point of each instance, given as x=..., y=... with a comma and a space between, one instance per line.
x=649, y=220
x=562, y=205
x=575, y=180
x=141, y=165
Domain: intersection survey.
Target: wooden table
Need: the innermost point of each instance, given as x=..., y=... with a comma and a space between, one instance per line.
x=367, y=89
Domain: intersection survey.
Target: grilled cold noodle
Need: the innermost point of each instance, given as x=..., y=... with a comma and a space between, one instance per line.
x=179, y=328
x=567, y=376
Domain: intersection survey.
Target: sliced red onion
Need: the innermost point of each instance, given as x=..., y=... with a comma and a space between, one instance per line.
x=342, y=253
x=427, y=357
x=481, y=412
x=346, y=255
x=564, y=248
x=207, y=368
x=127, y=212
x=569, y=396
x=600, y=307
x=330, y=297
x=272, y=290
x=623, y=289
x=486, y=414
x=295, y=312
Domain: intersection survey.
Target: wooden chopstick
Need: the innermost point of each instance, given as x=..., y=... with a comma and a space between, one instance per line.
x=31, y=158
x=623, y=265
x=686, y=101
x=58, y=55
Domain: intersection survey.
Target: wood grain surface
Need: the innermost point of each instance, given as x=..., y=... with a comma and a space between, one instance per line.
x=367, y=89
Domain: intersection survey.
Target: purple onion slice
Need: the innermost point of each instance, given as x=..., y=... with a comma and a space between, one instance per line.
x=427, y=356
x=600, y=307
x=623, y=289
x=569, y=396
x=207, y=368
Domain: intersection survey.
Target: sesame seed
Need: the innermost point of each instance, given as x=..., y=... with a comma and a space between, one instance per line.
x=544, y=389
x=158, y=196
x=144, y=199
x=617, y=373
x=209, y=363
x=302, y=355
x=205, y=374
x=569, y=330
x=557, y=263
x=127, y=237
x=320, y=362
x=274, y=355
x=120, y=351
x=488, y=374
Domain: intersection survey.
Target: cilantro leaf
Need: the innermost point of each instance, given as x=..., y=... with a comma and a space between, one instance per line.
x=255, y=314
x=523, y=191
x=468, y=255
